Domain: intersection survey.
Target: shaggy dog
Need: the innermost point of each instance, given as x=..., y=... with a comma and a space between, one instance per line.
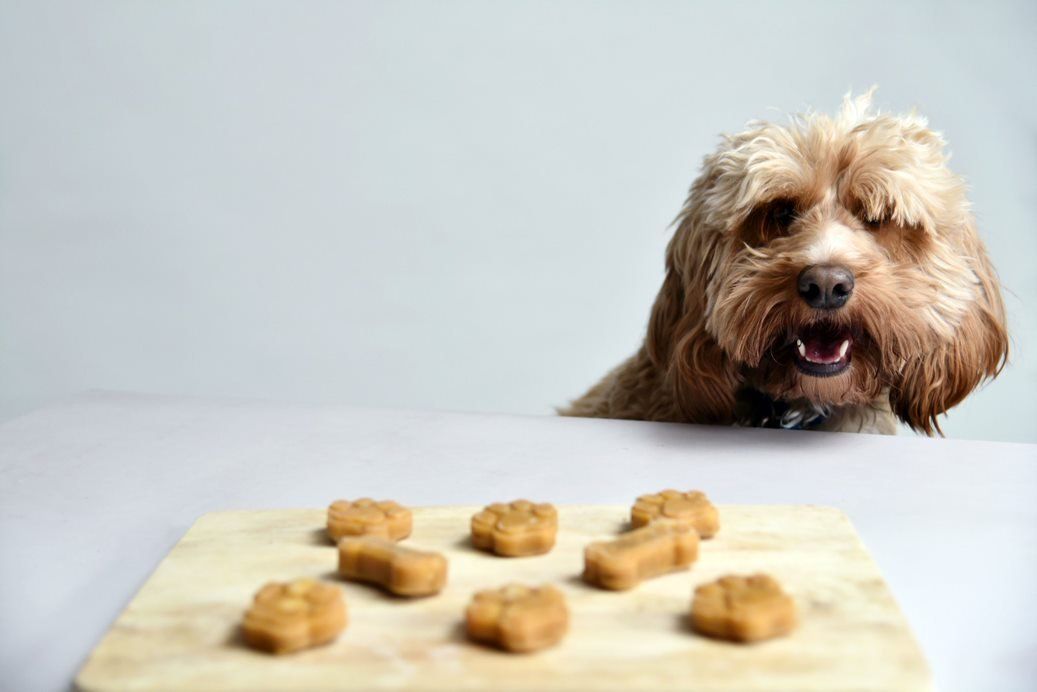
x=825, y=274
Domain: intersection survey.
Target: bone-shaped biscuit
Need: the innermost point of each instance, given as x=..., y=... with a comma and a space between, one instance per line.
x=517, y=529
x=640, y=554
x=365, y=517
x=691, y=507
x=399, y=570
x=517, y=617
x=286, y=617
x=743, y=609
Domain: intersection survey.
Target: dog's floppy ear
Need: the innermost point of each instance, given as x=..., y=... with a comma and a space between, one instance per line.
x=666, y=313
x=700, y=374
x=933, y=383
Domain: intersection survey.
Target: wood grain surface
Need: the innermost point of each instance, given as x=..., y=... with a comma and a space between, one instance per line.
x=181, y=629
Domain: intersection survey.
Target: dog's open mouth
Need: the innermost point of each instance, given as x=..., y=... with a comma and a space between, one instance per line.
x=822, y=350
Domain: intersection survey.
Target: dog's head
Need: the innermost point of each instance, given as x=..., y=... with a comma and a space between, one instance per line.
x=828, y=261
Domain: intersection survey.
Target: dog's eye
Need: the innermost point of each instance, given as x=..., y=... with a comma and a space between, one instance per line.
x=875, y=224
x=783, y=213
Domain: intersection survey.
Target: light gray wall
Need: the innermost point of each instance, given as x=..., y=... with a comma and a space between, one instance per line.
x=455, y=204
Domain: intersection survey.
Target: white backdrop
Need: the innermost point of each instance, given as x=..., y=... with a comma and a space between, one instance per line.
x=456, y=205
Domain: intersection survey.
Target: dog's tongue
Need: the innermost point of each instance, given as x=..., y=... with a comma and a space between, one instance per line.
x=823, y=348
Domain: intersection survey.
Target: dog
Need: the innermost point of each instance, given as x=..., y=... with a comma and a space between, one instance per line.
x=825, y=274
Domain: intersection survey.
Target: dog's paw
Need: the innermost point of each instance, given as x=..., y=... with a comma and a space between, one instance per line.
x=516, y=529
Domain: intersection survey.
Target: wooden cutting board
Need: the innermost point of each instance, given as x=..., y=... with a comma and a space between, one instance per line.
x=180, y=631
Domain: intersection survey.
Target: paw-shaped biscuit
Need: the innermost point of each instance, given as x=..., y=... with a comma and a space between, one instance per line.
x=743, y=609
x=692, y=508
x=516, y=529
x=286, y=617
x=640, y=554
x=399, y=570
x=365, y=517
x=518, y=618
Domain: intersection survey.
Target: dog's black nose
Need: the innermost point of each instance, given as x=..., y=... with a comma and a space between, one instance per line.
x=825, y=286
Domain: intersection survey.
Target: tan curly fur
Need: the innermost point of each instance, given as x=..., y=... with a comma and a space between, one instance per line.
x=867, y=190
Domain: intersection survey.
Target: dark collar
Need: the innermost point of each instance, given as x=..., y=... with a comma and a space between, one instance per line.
x=755, y=409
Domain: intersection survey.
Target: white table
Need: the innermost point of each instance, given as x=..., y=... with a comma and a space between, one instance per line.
x=95, y=491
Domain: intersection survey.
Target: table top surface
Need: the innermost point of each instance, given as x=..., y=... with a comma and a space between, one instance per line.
x=95, y=491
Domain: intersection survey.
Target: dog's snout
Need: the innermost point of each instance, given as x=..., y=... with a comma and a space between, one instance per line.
x=825, y=286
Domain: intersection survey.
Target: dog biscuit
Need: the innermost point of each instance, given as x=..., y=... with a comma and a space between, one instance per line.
x=365, y=517
x=517, y=529
x=399, y=570
x=518, y=618
x=286, y=617
x=743, y=609
x=640, y=554
x=691, y=507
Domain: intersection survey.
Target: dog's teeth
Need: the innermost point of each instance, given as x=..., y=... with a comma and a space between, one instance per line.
x=802, y=348
x=843, y=348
